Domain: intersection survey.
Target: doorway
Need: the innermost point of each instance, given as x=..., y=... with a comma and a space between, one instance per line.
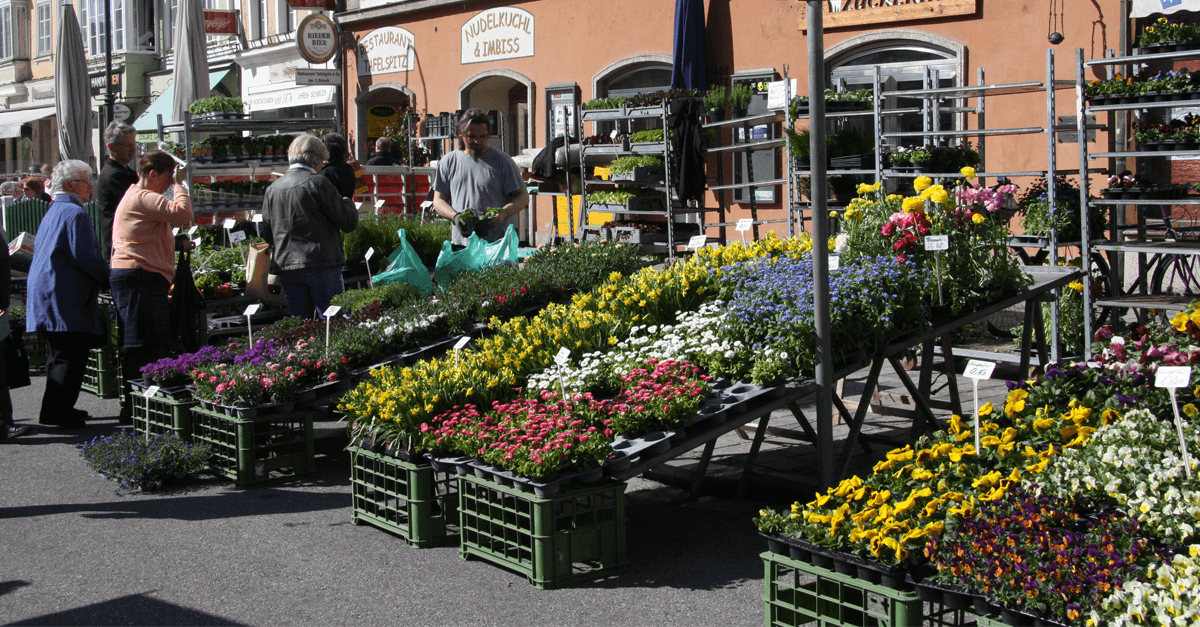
x=508, y=95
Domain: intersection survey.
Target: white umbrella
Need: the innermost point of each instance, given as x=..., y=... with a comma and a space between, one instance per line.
x=191, y=58
x=73, y=89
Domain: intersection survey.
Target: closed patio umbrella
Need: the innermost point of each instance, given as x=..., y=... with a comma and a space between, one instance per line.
x=687, y=70
x=191, y=58
x=73, y=91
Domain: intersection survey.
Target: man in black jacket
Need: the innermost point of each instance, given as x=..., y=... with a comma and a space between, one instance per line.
x=115, y=177
x=383, y=153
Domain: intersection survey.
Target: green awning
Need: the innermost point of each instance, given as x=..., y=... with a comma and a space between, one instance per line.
x=148, y=121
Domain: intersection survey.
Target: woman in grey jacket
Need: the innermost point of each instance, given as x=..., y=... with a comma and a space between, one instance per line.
x=304, y=217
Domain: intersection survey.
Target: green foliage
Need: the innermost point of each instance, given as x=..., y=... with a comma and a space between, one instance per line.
x=140, y=464
x=619, y=196
x=645, y=137
x=714, y=100
x=1038, y=219
x=625, y=165
x=216, y=104
x=390, y=296
x=382, y=234
x=740, y=96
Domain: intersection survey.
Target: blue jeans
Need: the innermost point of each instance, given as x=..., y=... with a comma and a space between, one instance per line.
x=309, y=291
x=141, y=299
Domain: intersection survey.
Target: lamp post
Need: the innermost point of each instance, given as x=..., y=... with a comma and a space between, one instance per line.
x=109, y=97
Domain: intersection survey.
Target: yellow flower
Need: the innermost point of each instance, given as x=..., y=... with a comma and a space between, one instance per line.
x=1190, y=410
x=978, y=218
x=922, y=182
x=900, y=454
x=987, y=480
x=1075, y=285
x=967, y=172
x=913, y=204
x=939, y=195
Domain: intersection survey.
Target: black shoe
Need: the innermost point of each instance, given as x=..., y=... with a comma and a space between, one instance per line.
x=65, y=422
x=8, y=432
x=79, y=413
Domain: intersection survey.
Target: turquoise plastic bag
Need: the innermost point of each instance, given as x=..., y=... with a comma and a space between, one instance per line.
x=405, y=266
x=476, y=255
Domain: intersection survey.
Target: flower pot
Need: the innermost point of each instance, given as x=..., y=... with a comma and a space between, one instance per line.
x=844, y=567
x=869, y=575
x=983, y=608
x=799, y=554
x=738, y=113
x=717, y=115
x=591, y=476
x=929, y=595
x=822, y=560
x=775, y=544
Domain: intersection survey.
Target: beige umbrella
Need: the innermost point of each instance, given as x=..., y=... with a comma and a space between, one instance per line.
x=191, y=58
x=73, y=89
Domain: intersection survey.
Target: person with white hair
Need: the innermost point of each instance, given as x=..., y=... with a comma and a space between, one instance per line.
x=65, y=277
x=303, y=220
x=116, y=177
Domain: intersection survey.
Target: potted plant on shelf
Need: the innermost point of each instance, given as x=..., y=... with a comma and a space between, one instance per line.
x=739, y=99
x=921, y=157
x=714, y=103
x=1166, y=35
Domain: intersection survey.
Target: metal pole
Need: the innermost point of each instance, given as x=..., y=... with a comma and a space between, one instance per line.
x=1085, y=246
x=820, y=235
x=109, y=97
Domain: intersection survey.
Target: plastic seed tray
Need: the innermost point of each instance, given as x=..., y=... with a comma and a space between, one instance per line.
x=257, y=451
x=575, y=535
x=411, y=500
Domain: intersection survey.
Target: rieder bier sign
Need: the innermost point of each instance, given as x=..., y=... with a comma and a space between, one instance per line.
x=855, y=12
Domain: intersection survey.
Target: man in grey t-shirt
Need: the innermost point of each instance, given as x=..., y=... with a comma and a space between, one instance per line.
x=478, y=177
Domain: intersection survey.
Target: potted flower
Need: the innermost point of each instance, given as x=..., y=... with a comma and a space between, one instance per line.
x=714, y=103
x=1166, y=35
x=739, y=99
x=922, y=158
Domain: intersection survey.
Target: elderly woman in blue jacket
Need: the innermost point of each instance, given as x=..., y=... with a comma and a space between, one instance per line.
x=303, y=219
x=65, y=278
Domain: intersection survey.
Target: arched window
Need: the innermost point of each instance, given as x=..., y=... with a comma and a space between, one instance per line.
x=903, y=64
x=629, y=77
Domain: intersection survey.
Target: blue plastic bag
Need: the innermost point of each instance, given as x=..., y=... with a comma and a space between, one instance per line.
x=476, y=255
x=404, y=265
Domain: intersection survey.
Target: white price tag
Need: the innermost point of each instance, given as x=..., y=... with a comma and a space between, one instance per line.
x=379, y=203
x=937, y=242
x=196, y=242
x=192, y=231
x=697, y=241
x=462, y=341
x=427, y=204
x=251, y=309
x=332, y=311
x=151, y=391
x=979, y=369
x=358, y=205
x=613, y=134
x=175, y=231
x=257, y=218
x=1173, y=376
x=253, y=164
x=229, y=223
x=744, y=224
x=563, y=356
x=1118, y=340
x=835, y=262
x=237, y=236
x=370, y=253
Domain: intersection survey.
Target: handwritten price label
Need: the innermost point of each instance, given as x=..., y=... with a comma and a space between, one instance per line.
x=835, y=262
x=332, y=311
x=253, y=164
x=229, y=223
x=175, y=231
x=237, y=236
x=978, y=369
x=192, y=231
x=1173, y=376
x=937, y=242
x=257, y=218
x=697, y=241
x=427, y=204
x=151, y=391
x=370, y=253
x=563, y=356
x=251, y=309
x=463, y=341
x=379, y=203
x=744, y=224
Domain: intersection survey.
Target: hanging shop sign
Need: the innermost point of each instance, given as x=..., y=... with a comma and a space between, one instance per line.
x=220, y=22
x=385, y=50
x=316, y=37
x=495, y=34
x=838, y=13
x=312, y=4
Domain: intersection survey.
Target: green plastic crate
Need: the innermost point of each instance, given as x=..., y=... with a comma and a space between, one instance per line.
x=257, y=451
x=572, y=536
x=157, y=415
x=100, y=377
x=798, y=593
x=414, y=501
x=36, y=351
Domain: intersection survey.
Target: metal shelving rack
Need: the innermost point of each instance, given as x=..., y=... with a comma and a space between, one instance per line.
x=590, y=156
x=1135, y=238
x=722, y=188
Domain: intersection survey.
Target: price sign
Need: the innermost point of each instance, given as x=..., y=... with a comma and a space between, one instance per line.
x=563, y=356
x=196, y=242
x=151, y=391
x=613, y=134
x=192, y=231
x=332, y=311
x=744, y=224
x=229, y=223
x=251, y=309
x=834, y=262
x=979, y=369
x=379, y=203
x=427, y=204
x=358, y=206
x=370, y=253
x=937, y=242
x=462, y=341
x=253, y=164
x=697, y=241
x=237, y=236
x=1173, y=376
x=175, y=231
x=257, y=218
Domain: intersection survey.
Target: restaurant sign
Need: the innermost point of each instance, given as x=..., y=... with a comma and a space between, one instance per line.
x=385, y=50
x=839, y=13
x=495, y=34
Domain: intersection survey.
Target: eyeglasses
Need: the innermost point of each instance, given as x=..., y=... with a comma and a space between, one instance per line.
x=86, y=181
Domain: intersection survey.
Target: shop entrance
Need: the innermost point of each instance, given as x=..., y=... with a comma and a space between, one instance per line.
x=379, y=111
x=507, y=95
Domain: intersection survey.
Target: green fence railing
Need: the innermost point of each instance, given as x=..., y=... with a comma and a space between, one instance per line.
x=24, y=216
